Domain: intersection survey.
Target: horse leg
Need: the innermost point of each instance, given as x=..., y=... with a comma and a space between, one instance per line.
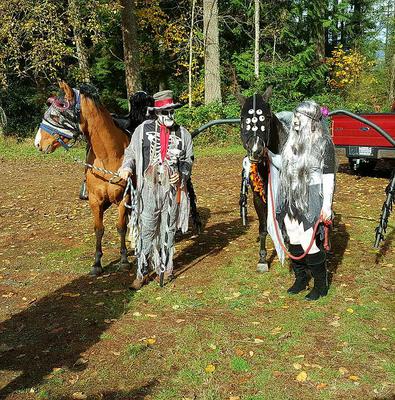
x=197, y=223
x=98, y=212
x=122, y=228
x=261, y=210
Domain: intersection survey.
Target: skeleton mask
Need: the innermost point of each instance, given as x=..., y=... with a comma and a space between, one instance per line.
x=166, y=117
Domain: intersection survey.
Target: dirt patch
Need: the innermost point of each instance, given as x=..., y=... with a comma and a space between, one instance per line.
x=61, y=328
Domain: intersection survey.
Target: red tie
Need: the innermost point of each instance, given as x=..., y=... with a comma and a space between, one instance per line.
x=164, y=141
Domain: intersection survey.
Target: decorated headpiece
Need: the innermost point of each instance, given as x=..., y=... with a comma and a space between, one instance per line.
x=164, y=101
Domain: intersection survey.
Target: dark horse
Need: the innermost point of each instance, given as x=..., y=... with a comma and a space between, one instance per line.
x=263, y=136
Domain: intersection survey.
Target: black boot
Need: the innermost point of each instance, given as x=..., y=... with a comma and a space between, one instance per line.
x=320, y=275
x=301, y=278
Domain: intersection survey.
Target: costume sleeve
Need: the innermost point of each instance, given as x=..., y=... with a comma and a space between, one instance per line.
x=187, y=157
x=328, y=178
x=129, y=158
x=329, y=158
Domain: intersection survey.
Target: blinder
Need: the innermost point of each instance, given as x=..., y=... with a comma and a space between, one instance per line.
x=62, y=119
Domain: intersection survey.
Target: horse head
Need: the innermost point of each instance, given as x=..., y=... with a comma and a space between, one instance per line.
x=256, y=123
x=60, y=123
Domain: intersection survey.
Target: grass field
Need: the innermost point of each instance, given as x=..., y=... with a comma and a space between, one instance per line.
x=219, y=330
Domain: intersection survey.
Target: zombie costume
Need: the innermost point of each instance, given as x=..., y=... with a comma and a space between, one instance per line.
x=307, y=181
x=158, y=150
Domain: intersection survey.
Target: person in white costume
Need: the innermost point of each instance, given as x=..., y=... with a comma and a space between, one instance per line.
x=307, y=182
x=160, y=156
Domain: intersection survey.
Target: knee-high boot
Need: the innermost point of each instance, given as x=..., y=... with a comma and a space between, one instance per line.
x=321, y=286
x=301, y=278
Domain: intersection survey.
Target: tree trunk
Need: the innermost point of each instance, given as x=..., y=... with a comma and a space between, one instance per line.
x=191, y=55
x=82, y=52
x=391, y=93
x=257, y=35
x=212, y=78
x=130, y=47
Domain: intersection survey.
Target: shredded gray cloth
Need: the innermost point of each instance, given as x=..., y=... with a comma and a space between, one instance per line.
x=160, y=207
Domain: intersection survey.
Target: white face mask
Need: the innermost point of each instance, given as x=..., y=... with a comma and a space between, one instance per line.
x=166, y=118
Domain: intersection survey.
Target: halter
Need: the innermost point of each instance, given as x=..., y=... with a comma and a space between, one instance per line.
x=60, y=132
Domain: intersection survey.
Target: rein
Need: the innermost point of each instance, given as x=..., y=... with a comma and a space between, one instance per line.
x=320, y=220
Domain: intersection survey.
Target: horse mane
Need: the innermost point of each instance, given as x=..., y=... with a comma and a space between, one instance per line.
x=92, y=93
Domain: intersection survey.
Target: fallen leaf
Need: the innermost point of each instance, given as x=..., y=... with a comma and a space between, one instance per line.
x=251, y=353
x=276, y=330
x=68, y=294
x=236, y=294
x=151, y=315
x=116, y=353
x=335, y=323
x=178, y=321
x=175, y=307
x=266, y=293
x=239, y=352
x=210, y=369
x=343, y=370
x=79, y=396
x=321, y=386
x=150, y=341
x=350, y=310
x=353, y=378
x=316, y=366
x=212, y=346
x=234, y=398
x=136, y=314
x=302, y=376
x=257, y=340
x=297, y=366
x=199, y=292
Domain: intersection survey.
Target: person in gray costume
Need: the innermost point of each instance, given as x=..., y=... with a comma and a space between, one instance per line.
x=307, y=182
x=160, y=156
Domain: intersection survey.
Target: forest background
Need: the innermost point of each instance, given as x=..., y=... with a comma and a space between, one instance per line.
x=339, y=52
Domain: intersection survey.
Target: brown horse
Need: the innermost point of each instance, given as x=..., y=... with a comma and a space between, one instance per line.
x=80, y=112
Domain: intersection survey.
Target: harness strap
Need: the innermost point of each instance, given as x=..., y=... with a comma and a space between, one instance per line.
x=57, y=134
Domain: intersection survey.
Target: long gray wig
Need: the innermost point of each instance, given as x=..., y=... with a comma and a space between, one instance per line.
x=302, y=154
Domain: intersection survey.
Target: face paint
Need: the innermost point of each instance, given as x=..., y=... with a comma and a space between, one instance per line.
x=166, y=118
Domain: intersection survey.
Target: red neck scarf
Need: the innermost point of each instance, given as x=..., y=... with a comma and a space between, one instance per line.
x=164, y=141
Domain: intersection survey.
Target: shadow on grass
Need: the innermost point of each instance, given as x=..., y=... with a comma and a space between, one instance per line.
x=137, y=394
x=210, y=242
x=57, y=329
x=339, y=241
x=385, y=245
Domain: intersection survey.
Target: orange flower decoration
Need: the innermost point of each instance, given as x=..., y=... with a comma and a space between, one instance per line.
x=256, y=181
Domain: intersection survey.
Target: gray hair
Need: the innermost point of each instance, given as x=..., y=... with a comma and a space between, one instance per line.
x=302, y=154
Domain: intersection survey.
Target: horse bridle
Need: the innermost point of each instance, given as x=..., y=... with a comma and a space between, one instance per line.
x=60, y=131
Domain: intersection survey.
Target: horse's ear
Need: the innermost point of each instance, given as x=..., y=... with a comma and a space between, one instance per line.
x=68, y=91
x=268, y=93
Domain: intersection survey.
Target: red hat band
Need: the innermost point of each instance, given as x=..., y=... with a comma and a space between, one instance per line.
x=162, y=103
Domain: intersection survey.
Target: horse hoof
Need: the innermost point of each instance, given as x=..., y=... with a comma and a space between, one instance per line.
x=262, y=267
x=96, y=271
